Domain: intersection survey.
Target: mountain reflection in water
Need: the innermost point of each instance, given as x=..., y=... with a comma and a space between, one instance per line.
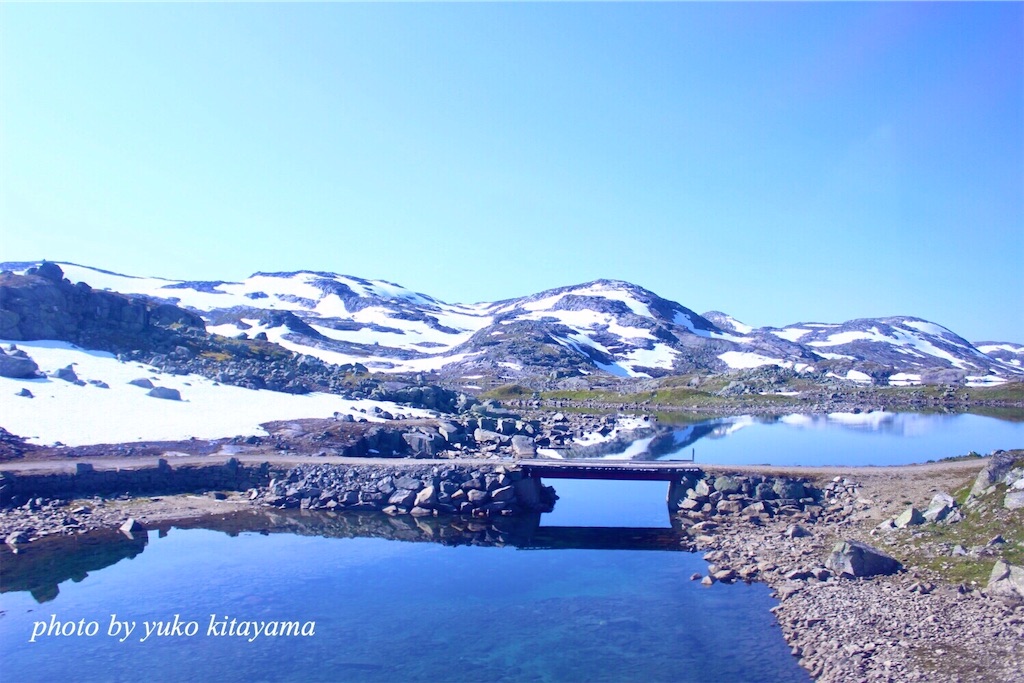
x=841, y=439
x=42, y=566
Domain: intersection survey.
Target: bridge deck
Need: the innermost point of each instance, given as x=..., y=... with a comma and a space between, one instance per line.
x=625, y=471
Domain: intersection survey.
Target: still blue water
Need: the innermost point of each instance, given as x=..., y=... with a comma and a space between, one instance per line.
x=388, y=610
x=878, y=438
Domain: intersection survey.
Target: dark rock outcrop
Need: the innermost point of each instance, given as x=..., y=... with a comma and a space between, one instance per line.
x=44, y=305
x=16, y=364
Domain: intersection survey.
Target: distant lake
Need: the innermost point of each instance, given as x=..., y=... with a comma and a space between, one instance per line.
x=530, y=599
x=843, y=439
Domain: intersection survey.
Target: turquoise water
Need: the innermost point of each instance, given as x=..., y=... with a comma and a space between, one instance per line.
x=877, y=438
x=443, y=604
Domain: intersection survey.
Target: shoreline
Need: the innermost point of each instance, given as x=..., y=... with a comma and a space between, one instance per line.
x=910, y=626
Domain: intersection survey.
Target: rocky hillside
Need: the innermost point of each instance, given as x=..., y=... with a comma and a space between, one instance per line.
x=603, y=328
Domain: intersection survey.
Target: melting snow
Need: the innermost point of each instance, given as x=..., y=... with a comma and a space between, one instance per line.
x=791, y=333
x=79, y=415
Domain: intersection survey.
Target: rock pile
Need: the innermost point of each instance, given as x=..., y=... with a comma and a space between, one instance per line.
x=426, y=491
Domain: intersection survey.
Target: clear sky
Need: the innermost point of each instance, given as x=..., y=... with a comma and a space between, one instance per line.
x=780, y=162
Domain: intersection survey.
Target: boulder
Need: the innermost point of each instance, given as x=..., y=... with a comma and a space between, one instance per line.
x=727, y=484
x=488, y=436
x=998, y=467
x=1014, y=500
x=424, y=445
x=942, y=504
x=132, y=526
x=796, y=531
x=856, y=559
x=523, y=446
x=789, y=489
x=427, y=497
x=164, y=393
x=403, y=498
x=142, y=382
x=67, y=374
x=17, y=365
x=909, y=517
x=1006, y=582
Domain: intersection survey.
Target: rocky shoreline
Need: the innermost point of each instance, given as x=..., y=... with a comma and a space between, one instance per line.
x=752, y=524
x=906, y=626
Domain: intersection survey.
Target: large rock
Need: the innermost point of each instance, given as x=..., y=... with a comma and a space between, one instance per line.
x=909, y=517
x=942, y=504
x=1006, y=582
x=17, y=365
x=789, y=489
x=998, y=467
x=164, y=393
x=427, y=497
x=488, y=436
x=424, y=445
x=856, y=559
x=1014, y=500
x=67, y=374
x=523, y=446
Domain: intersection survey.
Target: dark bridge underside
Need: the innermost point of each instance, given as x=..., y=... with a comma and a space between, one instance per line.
x=625, y=472
x=599, y=538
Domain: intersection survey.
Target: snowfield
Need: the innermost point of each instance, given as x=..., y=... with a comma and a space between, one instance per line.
x=82, y=415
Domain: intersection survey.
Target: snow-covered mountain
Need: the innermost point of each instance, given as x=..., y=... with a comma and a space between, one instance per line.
x=602, y=326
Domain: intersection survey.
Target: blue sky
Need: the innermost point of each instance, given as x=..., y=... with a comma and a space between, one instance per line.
x=780, y=162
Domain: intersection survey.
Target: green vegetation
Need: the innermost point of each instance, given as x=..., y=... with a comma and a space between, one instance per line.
x=509, y=392
x=983, y=520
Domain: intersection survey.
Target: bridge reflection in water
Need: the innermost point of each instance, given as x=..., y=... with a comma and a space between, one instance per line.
x=42, y=566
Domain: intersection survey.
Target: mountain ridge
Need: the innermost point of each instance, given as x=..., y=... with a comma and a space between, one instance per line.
x=605, y=326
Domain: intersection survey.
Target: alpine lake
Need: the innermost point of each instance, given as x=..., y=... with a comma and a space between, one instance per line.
x=597, y=590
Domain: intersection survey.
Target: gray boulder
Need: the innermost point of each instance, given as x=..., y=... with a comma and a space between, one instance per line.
x=998, y=466
x=17, y=365
x=424, y=445
x=909, y=517
x=1014, y=500
x=486, y=435
x=426, y=498
x=942, y=504
x=142, y=382
x=1006, y=582
x=727, y=484
x=403, y=498
x=523, y=446
x=787, y=488
x=856, y=559
x=67, y=374
x=164, y=393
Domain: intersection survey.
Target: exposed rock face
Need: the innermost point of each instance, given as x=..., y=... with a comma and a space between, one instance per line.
x=16, y=364
x=856, y=559
x=43, y=305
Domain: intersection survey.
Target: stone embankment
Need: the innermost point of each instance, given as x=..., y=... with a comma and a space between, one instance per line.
x=35, y=503
x=417, y=491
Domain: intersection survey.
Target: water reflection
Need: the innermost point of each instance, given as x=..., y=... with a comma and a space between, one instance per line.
x=852, y=439
x=41, y=567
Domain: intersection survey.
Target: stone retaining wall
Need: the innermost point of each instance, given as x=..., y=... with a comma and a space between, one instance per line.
x=420, y=491
x=161, y=479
